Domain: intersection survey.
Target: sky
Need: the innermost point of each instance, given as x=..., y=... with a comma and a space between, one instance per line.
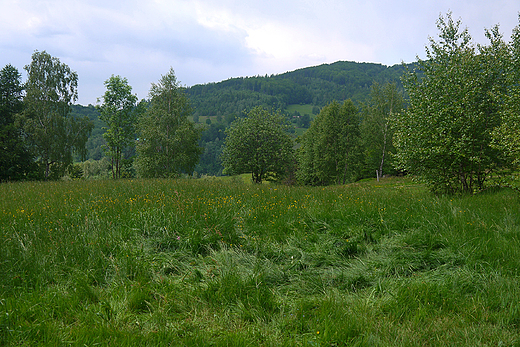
x=208, y=41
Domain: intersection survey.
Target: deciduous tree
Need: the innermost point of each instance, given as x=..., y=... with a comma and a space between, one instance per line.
x=258, y=144
x=376, y=132
x=168, y=141
x=507, y=136
x=52, y=132
x=120, y=113
x=445, y=135
x=330, y=149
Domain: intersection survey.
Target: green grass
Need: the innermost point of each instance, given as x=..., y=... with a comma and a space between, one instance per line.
x=303, y=109
x=226, y=263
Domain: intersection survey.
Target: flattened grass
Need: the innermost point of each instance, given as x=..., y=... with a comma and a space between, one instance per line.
x=212, y=262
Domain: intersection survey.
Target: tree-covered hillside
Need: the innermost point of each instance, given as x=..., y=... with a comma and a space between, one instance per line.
x=95, y=140
x=317, y=85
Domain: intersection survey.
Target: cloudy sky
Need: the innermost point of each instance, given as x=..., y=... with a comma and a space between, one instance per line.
x=212, y=40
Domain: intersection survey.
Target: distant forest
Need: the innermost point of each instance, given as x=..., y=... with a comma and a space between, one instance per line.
x=298, y=95
x=316, y=86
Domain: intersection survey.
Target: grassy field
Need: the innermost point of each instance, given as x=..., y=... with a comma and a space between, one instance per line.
x=303, y=109
x=224, y=263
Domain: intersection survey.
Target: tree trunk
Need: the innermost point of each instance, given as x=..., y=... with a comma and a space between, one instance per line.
x=385, y=131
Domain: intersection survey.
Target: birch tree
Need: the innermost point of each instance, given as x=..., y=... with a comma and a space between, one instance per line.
x=53, y=134
x=376, y=131
x=119, y=112
x=168, y=140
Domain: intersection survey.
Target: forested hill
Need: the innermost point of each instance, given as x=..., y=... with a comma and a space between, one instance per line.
x=317, y=85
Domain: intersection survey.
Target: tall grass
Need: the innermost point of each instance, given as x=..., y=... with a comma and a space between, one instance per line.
x=211, y=262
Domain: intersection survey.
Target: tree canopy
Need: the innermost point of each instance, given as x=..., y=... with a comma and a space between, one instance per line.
x=168, y=141
x=506, y=137
x=53, y=134
x=258, y=144
x=119, y=113
x=445, y=135
x=330, y=150
x=376, y=131
x=16, y=161
x=316, y=85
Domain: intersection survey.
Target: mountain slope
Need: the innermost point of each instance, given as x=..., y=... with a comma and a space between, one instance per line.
x=317, y=85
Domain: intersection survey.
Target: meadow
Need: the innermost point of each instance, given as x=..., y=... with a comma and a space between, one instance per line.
x=224, y=263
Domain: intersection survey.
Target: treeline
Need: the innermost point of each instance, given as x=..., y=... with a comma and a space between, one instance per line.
x=221, y=104
x=42, y=133
x=343, y=144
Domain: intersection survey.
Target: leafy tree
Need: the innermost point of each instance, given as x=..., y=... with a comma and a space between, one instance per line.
x=16, y=162
x=507, y=136
x=168, y=142
x=119, y=112
x=445, y=136
x=11, y=94
x=330, y=149
x=258, y=144
x=376, y=131
x=303, y=121
x=52, y=132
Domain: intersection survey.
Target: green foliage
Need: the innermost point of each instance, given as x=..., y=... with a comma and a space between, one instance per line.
x=317, y=85
x=11, y=94
x=212, y=139
x=376, y=132
x=258, y=144
x=96, y=169
x=445, y=136
x=168, y=141
x=231, y=99
x=119, y=111
x=507, y=136
x=53, y=134
x=330, y=149
x=95, y=141
x=16, y=161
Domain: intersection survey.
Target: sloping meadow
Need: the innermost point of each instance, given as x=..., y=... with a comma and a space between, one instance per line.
x=214, y=262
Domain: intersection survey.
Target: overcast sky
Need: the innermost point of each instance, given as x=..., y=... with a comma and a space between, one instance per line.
x=213, y=40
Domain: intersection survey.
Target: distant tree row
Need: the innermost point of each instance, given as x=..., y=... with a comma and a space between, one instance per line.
x=343, y=143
